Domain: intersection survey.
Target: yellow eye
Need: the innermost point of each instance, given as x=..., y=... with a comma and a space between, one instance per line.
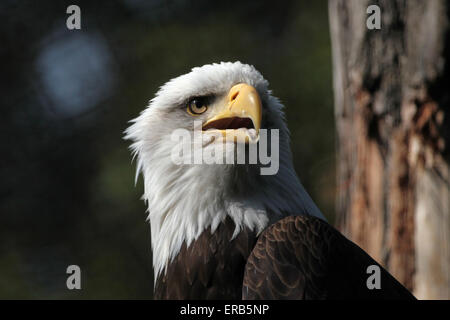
x=196, y=106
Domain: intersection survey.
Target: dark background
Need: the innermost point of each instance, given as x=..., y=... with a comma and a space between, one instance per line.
x=67, y=193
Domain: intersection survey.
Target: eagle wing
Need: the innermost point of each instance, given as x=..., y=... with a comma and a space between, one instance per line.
x=303, y=257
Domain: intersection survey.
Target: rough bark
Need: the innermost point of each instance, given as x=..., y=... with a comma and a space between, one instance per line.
x=392, y=108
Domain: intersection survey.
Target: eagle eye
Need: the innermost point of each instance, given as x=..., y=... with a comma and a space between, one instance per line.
x=196, y=106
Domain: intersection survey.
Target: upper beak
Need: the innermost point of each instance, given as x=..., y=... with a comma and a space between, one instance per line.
x=242, y=104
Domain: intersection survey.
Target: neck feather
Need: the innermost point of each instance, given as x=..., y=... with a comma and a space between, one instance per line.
x=185, y=200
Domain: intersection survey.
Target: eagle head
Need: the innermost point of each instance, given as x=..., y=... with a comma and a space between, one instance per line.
x=226, y=105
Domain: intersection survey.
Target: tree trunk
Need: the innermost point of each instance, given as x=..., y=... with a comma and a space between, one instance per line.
x=392, y=108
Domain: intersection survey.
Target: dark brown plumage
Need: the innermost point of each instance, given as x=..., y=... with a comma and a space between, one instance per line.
x=298, y=257
x=303, y=257
x=212, y=267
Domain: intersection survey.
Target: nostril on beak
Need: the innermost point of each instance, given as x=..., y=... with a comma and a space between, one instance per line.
x=234, y=96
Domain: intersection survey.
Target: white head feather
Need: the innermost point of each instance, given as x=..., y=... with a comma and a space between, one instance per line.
x=185, y=200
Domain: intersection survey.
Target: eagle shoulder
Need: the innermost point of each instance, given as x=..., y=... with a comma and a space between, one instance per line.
x=303, y=257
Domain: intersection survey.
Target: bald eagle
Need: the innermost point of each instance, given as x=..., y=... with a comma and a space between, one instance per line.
x=224, y=230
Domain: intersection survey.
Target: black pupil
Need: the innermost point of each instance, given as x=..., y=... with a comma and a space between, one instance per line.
x=196, y=104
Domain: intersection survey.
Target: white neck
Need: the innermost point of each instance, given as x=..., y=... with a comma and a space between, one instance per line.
x=185, y=200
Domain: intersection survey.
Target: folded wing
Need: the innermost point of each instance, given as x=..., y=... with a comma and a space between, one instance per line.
x=303, y=257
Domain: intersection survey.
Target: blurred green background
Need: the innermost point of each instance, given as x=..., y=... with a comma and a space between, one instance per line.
x=67, y=193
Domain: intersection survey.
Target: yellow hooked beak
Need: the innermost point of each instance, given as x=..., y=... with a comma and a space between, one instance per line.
x=240, y=115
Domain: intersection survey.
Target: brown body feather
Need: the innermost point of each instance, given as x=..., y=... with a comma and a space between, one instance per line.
x=303, y=257
x=298, y=257
x=212, y=267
